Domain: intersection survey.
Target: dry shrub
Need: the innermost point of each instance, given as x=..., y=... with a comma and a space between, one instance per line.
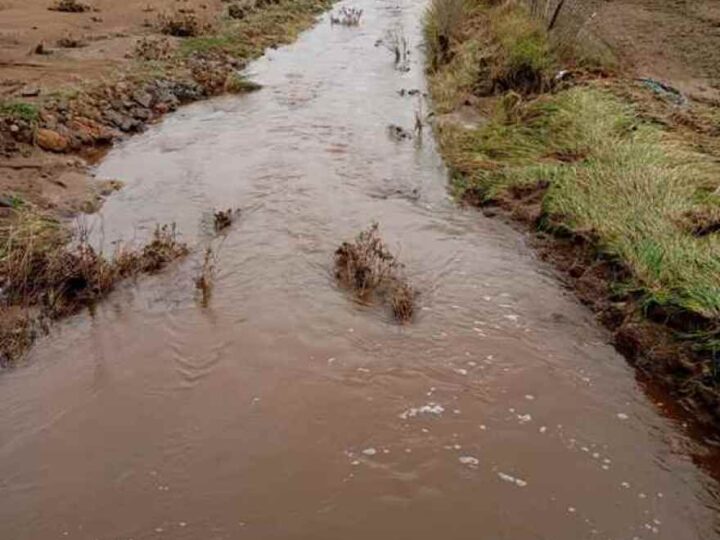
x=46, y=270
x=368, y=268
x=152, y=49
x=18, y=331
x=402, y=301
x=180, y=24
x=69, y=6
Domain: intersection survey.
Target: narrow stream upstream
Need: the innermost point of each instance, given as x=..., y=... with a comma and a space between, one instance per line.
x=284, y=410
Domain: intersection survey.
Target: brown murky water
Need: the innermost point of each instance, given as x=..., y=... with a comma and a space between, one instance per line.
x=285, y=411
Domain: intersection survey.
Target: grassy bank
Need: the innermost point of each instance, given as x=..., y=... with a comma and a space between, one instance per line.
x=578, y=162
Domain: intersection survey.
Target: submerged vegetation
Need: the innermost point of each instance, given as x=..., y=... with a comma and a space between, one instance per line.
x=368, y=269
x=560, y=149
x=47, y=272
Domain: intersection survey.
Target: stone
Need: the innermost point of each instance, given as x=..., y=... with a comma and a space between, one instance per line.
x=30, y=91
x=50, y=140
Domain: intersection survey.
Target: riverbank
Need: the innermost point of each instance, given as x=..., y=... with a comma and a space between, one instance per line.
x=77, y=78
x=544, y=118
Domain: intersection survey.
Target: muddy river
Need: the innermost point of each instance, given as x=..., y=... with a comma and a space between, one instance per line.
x=284, y=410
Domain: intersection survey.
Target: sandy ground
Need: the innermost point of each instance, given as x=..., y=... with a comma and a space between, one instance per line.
x=674, y=41
x=108, y=31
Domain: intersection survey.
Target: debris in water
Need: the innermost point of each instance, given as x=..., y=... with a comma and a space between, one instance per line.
x=622, y=416
x=430, y=408
x=511, y=479
x=222, y=219
x=371, y=272
x=469, y=460
x=347, y=16
x=398, y=133
x=369, y=451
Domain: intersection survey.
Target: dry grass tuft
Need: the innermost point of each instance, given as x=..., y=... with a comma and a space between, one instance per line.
x=368, y=268
x=180, y=24
x=69, y=6
x=148, y=48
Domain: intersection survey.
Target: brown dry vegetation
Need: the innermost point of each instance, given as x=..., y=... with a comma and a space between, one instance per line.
x=373, y=274
x=618, y=176
x=47, y=272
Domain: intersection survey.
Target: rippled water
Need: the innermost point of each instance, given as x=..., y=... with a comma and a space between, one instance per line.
x=284, y=410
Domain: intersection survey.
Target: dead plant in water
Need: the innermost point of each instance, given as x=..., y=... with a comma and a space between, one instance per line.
x=368, y=268
x=396, y=42
x=45, y=269
x=222, y=219
x=347, y=16
x=147, y=48
x=204, y=279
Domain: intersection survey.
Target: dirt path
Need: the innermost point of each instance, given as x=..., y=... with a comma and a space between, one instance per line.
x=677, y=41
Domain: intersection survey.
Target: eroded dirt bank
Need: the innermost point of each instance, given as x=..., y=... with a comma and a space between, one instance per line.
x=287, y=409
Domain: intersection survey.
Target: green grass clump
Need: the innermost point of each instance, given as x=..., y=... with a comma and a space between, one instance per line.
x=19, y=110
x=523, y=59
x=611, y=177
x=273, y=24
